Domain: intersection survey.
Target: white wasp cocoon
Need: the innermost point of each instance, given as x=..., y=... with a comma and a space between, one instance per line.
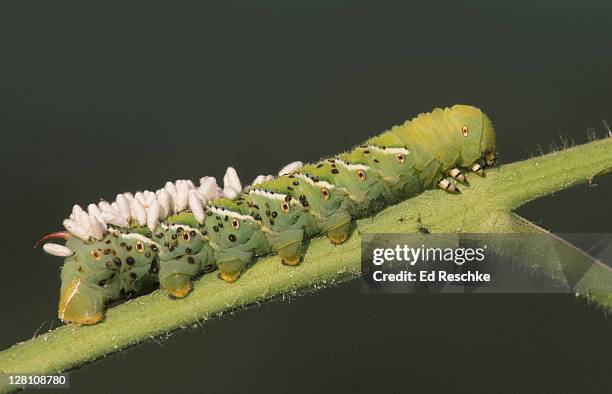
x=94, y=211
x=209, y=190
x=291, y=167
x=230, y=192
x=149, y=197
x=182, y=194
x=138, y=212
x=164, y=202
x=74, y=228
x=76, y=209
x=95, y=227
x=195, y=204
x=140, y=197
x=82, y=218
x=114, y=219
x=231, y=179
x=57, y=250
x=171, y=189
x=129, y=198
x=153, y=215
x=123, y=206
x=102, y=223
x=208, y=181
x=106, y=207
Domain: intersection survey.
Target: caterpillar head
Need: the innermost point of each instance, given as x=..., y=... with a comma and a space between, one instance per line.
x=476, y=133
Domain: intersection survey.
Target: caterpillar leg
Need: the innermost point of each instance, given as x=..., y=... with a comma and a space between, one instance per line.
x=448, y=185
x=458, y=175
x=478, y=169
x=288, y=245
x=337, y=227
x=291, y=254
x=232, y=263
x=339, y=234
x=175, y=275
x=179, y=263
x=231, y=270
x=177, y=285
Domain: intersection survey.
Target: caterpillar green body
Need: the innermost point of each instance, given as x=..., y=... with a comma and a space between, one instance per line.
x=275, y=216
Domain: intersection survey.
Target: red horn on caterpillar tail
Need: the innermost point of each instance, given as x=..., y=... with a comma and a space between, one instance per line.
x=57, y=235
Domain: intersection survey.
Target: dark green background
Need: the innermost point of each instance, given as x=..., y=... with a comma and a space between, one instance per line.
x=98, y=98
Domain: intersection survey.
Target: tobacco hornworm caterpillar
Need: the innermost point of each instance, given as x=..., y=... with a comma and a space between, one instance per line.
x=180, y=231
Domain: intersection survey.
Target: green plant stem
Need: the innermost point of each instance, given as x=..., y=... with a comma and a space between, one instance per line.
x=483, y=207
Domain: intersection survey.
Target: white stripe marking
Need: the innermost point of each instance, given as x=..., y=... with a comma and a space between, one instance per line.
x=265, y=193
x=138, y=237
x=387, y=151
x=352, y=166
x=315, y=183
x=232, y=214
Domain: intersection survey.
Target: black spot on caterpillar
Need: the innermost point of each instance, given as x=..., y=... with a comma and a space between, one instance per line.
x=172, y=235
